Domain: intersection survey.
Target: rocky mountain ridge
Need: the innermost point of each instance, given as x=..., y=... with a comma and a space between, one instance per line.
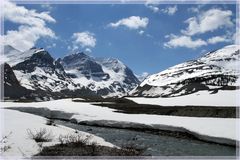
x=213, y=71
x=37, y=71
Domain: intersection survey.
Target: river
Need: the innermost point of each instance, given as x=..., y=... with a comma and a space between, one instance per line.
x=156, y=145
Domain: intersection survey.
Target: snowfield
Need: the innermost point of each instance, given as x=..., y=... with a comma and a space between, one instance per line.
x=202, y=98
x=221, y=130
x=16, y=125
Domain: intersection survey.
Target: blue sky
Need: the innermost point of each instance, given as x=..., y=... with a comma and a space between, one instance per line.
x=146, y=37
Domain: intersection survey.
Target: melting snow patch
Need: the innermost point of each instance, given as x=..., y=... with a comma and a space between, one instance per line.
x=17, y=124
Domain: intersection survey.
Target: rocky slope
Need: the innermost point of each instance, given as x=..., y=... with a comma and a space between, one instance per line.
x=41, y=71
x=12, y=87
x=216, y=70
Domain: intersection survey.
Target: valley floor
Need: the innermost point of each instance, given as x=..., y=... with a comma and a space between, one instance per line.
x=220, y=130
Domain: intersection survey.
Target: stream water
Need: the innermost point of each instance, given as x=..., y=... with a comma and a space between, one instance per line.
x=156, y=145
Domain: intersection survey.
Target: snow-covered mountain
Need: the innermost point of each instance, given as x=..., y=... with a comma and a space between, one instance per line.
x=217, y=70
x=73, y=76
x=106, y=77
x=41, y=71
x=41, y=75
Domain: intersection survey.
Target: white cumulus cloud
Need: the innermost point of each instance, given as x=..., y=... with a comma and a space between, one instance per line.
x=21, y=15
x=184, y=41
x=218, y=39
x=88, y=50
x=47, y=6
x=84, y=39
x=133, y=22
x=32, y=26
x=155, y=9
x=171, y=10
x=141, y=32
x=210, y=20
x=152, y=5
x=205, y=21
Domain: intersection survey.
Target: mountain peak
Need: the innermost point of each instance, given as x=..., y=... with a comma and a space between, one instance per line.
x=9, y=48
x=42, y=55
x=33, y=48
x=105, y=76
x=225, y=53
x=74, y=59
x=78, y=54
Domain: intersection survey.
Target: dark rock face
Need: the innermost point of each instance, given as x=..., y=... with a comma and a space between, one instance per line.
x=70, y=61
x=85, y=65
x=130, y=77
x=42, y=60
x=12, y=88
